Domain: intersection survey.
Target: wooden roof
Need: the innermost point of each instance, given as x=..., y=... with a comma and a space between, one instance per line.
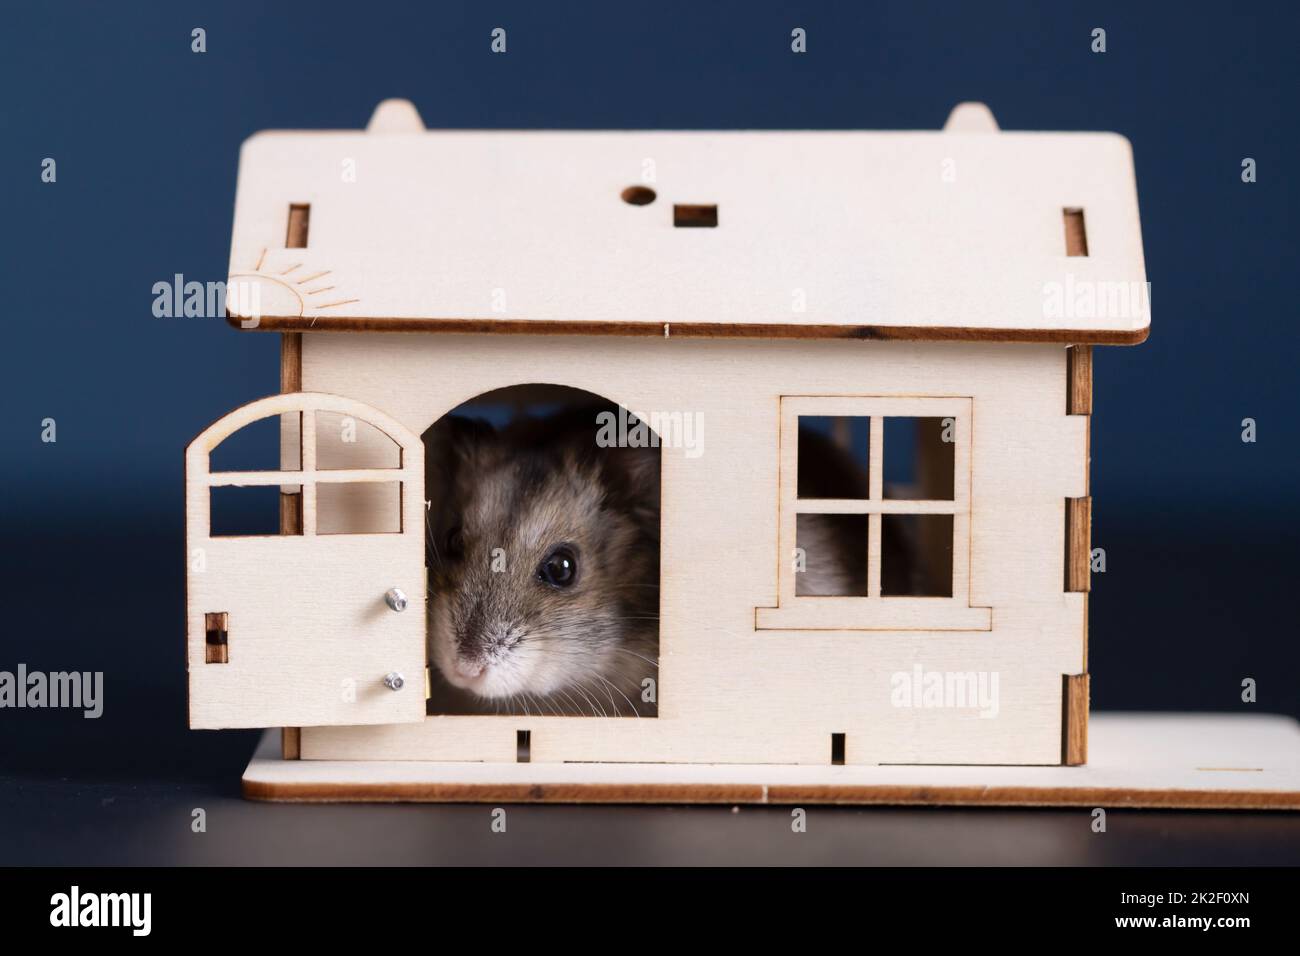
x=952, y=234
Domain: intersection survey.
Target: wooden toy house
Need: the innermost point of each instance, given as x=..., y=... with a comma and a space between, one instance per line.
x=744, y=283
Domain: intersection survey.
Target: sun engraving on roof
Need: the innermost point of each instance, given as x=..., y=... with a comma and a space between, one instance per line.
x=289, y=286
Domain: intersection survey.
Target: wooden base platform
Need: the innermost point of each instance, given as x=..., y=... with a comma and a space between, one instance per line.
x=1184, y=761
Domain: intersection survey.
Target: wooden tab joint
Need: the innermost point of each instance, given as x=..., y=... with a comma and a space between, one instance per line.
x=1078, y=544
x=1074, y=720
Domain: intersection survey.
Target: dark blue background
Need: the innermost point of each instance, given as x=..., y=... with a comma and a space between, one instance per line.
x=1200, y=529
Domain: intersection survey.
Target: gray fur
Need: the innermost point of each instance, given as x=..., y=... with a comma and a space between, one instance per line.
x=524, y=490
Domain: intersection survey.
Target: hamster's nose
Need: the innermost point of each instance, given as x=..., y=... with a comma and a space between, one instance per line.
x=468, y=669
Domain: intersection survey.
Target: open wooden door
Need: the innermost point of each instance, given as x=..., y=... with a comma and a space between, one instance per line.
x=325, y=626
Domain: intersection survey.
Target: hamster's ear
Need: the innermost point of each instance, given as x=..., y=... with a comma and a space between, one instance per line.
x=633, y=476
x=454, y=449
x=468, y=439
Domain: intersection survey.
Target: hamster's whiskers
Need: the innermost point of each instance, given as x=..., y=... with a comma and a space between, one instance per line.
x=621, y=694
x=624, y=650
x=595, y=705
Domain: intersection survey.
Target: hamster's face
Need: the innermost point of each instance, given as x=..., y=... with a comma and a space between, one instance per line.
x=542, y=582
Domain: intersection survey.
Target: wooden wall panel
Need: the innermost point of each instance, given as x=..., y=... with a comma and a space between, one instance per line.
x=726, y=691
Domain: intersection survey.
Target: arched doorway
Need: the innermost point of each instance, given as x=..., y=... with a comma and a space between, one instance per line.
x=542, y=544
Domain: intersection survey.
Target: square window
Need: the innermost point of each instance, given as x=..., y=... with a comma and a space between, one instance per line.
x=359, y=507
x=919, y=457
x=874, y=515
x=916, y=555
x=834, y=454
x=834, y=553
x=244, y=511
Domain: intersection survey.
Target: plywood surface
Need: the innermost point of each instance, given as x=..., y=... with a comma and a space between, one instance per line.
x=1196, y=761
x=728, y=692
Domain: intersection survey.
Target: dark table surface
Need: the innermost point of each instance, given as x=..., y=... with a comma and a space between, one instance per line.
x=143, y=817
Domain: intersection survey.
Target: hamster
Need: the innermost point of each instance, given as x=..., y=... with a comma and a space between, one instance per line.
x=543, y=556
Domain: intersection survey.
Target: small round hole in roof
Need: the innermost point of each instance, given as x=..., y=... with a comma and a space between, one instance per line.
x=638, y=195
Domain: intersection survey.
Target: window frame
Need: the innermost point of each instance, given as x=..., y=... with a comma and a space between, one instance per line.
x=874, y=612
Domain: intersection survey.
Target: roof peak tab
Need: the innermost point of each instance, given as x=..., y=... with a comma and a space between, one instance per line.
x=971, y=117
x=395, y=116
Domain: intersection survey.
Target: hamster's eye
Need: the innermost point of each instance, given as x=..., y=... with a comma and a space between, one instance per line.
x=455, y=542
x=559, y=568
